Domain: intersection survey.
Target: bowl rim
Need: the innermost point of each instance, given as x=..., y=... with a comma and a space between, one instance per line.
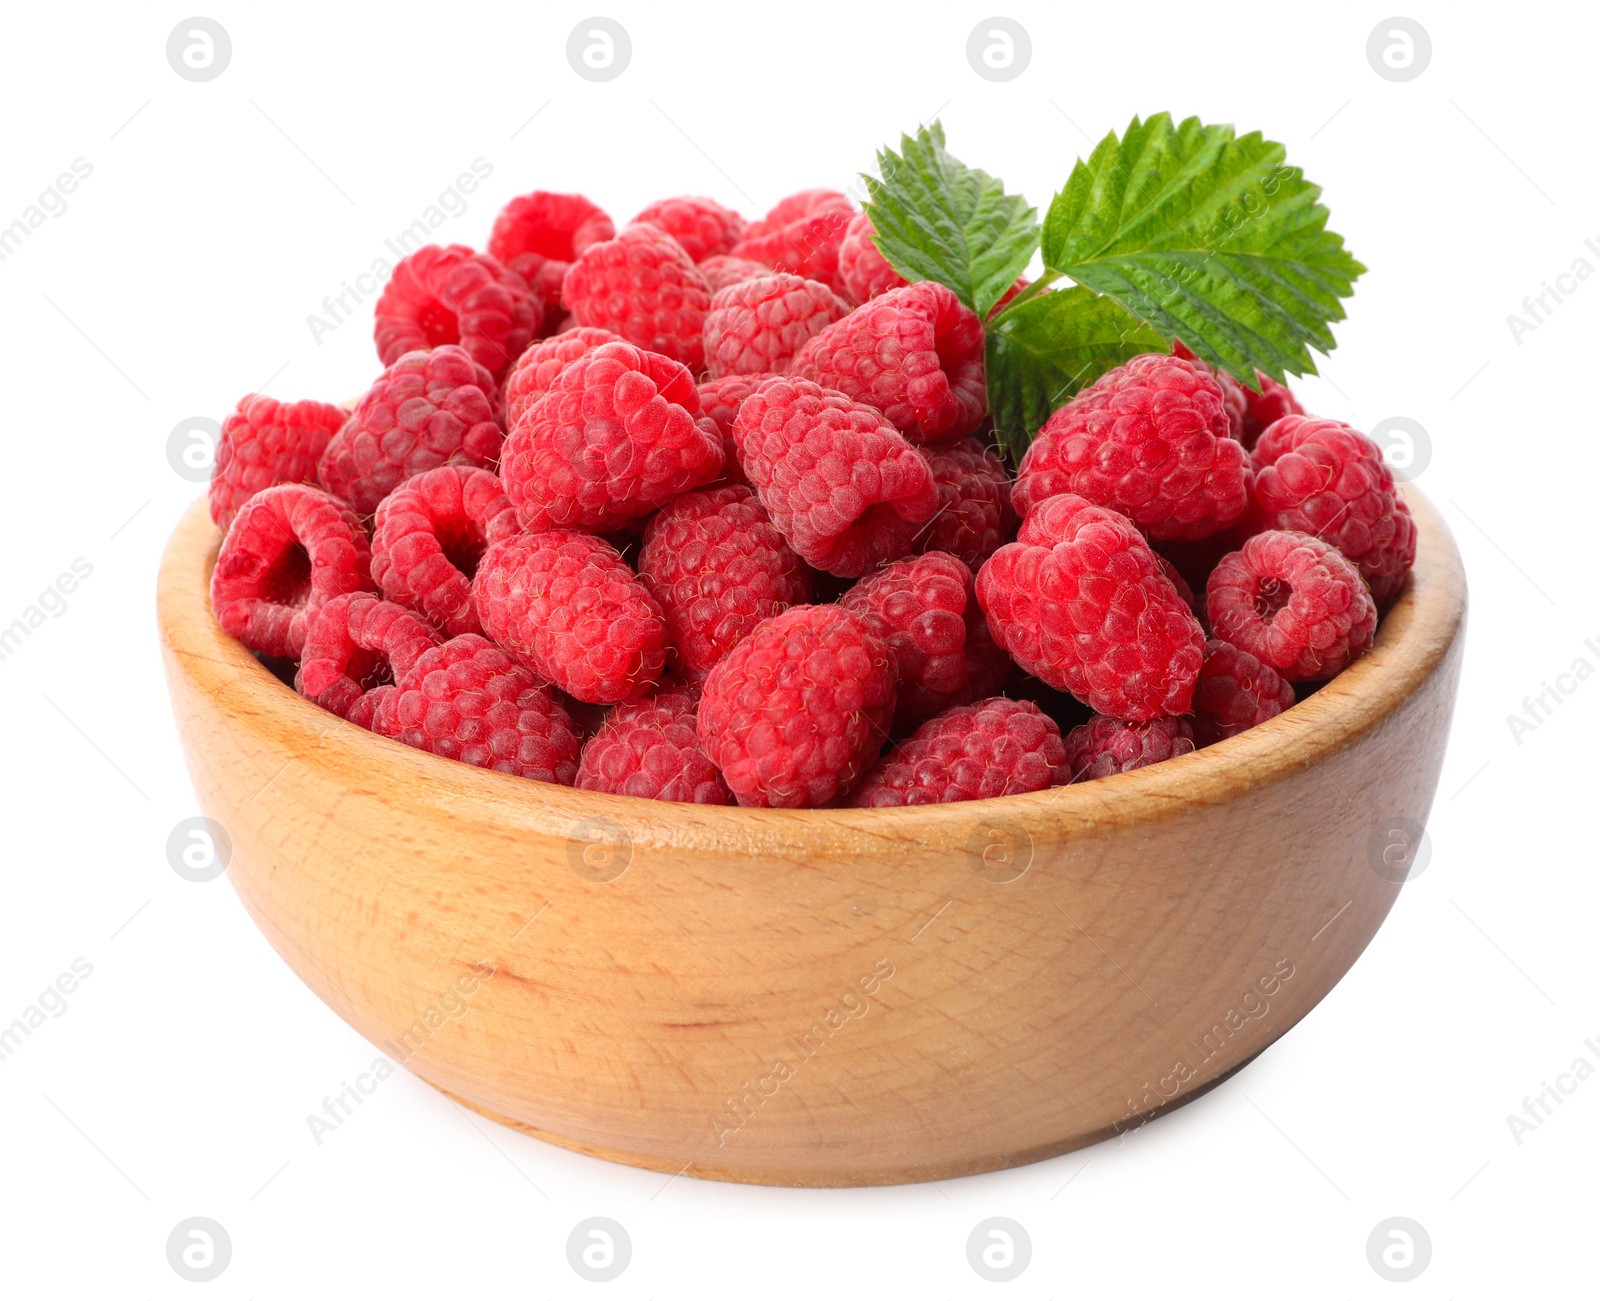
x=1413, y=639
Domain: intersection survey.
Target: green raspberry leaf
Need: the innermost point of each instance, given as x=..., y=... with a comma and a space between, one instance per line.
x=1209, y=237
x=1042, y=350
x=935, y=218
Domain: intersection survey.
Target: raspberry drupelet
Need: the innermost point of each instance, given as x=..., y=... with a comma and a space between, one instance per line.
x=1233, y=393
x=1248, y=412
x=721, y=271
x=989, y=669
x=720, y=400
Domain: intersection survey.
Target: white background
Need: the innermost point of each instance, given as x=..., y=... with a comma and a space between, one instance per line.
x=180, y=276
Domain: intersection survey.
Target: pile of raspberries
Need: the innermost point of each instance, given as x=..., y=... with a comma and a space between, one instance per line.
x=706, y=510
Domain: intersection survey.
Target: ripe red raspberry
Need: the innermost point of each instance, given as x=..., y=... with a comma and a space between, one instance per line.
x=801, y=235
x=1248, y=413
x=428, y=409
x=449, y=294
x=720, y=399
x=794, y=713
x=1236, y=691
x=1263, y=409
x=973, y=752
x=289, y=551
x=569, y=607
x=618, y=434
x=1294, y=602
x=427, y=539
x=703, y=226
x=649, y=749
x=864, y=272
x=718, y=567
x=1081, y=602
x=534, y=373
x=721, y=271
x=1105, y=746
x=1233, y=394
x=922, y=608
x=265, y=442
x=469, y=700
x=1324, y=478
x=914, y=353
x=840, y=483
x=538, y=235
x=758, y=325
x=1149, y=440
x=975, y=514
x=354, y=645
x=643, y=286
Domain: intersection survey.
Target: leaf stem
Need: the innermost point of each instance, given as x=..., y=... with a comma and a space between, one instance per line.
x=1038, y=286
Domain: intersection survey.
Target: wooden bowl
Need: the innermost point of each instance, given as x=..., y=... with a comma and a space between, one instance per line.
x=826, y=997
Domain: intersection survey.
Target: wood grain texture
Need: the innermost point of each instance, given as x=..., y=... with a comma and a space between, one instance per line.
x=819, y=997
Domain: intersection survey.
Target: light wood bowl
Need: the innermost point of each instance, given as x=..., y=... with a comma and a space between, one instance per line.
x=820, y=997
